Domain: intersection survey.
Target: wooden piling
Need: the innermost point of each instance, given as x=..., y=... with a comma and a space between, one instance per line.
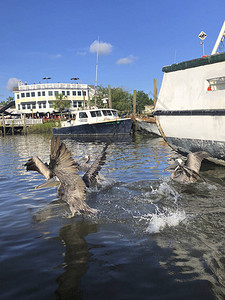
x=155, y=90
x=3, y=124
x=109, y=96
x=24, y=125
x=134, y=103
x=12, y=127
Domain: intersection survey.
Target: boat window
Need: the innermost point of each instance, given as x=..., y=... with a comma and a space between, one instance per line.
x=107, y=112
x=82, y=115
x=96, y=113
x=215, y=84
x=114, y=112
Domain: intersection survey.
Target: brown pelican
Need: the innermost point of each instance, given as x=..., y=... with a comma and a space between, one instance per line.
x=188, y=172
x=63, y=167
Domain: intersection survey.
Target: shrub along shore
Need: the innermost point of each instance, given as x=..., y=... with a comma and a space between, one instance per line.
x=43, y=128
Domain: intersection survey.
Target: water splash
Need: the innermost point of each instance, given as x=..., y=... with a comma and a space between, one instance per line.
x=161, y=220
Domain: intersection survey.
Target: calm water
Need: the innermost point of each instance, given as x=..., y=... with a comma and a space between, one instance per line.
x=152, y=238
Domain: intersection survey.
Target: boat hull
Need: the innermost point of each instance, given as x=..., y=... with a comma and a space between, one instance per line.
x=109, y=128
x=192, y=133
x=190, y=111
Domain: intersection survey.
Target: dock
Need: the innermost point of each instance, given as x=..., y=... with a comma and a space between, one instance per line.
x=14, y=126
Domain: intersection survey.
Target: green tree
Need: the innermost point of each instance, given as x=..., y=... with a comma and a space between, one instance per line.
x=101, y=93
x=60, y=103
x=142, y=99
x=121, y=100
x=9, y=99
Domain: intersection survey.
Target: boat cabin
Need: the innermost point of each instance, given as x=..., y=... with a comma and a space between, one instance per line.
x=91, y=116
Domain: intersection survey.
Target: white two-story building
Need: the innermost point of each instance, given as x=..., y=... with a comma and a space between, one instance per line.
x=38, y=98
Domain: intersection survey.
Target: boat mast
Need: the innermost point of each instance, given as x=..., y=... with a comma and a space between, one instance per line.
x=220, y=38
x=96, y=71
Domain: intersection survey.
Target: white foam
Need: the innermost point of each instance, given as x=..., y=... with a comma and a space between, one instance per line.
x=160, y=220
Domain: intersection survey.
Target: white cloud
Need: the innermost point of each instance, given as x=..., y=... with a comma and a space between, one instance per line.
x=81, y=53
x=56, y=56
x=126, y=60
x=12, y=82
x=101, y=47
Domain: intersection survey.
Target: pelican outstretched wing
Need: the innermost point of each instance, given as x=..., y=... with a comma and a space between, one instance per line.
x=194, y=160
x=64, y=167
x=96, y=166
x=35, y=164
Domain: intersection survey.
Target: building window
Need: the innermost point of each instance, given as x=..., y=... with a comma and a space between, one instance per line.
x=74, y=93
x=39, y=94
x=64, y=93
x=68, y=93
x=18, y=96
x=39, y=105
x=18, y=106
x=28, y=95
x=22, y=95
x=56, y=93
x=34, y=106
x=43, y=93
x=79, y=93
x=23, y=106
x=28, y=106
x=50, y=104
x=32, y=94
x=44, y=104
x=74, y=103
x=79, y=103
x=50, y=93
x=84, y=93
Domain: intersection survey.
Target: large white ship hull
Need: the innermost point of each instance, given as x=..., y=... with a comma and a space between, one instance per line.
x=190, y=111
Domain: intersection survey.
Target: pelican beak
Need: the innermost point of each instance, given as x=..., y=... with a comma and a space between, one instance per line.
x=49, y=183
x=173, y=166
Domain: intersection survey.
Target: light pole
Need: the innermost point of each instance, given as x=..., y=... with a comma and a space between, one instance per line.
x=46, y=78
x=202, y=35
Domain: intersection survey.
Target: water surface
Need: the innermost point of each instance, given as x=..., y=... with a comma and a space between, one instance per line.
x=152, y=238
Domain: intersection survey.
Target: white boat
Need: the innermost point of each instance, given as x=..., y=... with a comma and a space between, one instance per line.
x=94, y=122
x=148, y=125
x=190, y=110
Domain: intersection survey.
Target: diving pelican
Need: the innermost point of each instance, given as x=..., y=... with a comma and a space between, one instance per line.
x=63, y=167
x=188, y=172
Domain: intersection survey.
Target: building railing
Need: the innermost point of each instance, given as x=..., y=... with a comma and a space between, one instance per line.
x=44, y=86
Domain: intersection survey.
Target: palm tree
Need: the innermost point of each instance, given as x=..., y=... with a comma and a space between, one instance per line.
x=60, y=103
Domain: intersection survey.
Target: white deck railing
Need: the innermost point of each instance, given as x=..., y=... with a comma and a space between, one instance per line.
x=21, y=122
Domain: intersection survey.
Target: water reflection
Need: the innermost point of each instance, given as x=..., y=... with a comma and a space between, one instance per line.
x=76, y=257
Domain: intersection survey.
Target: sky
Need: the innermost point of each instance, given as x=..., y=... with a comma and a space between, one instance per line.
x=135, y=39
